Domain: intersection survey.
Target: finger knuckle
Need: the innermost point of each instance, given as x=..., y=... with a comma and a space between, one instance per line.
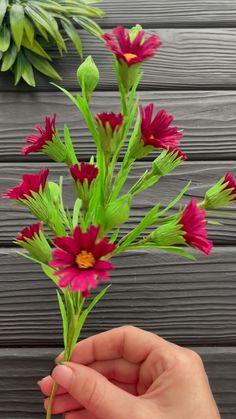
x=194, y=358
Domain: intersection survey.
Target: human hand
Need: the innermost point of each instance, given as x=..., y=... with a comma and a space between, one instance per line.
x=130, y=373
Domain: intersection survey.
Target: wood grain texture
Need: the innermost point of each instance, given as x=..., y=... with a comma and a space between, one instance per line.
x=203, y=175
x=207, y=118
x=21, y=399
x=188, y=58
x=189, y=302
x=169, y=12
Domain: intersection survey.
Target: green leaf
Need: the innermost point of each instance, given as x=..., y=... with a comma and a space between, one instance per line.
x=29, y=30
x=17, y=23
x=3, y=9
x=19, y=67
x=171, y=249
x=69, y=146
x=35, y=47
x=28, y=73
x=5, y=38
x=9, y=57
x=26, y=256
x=64, y=318
x=76, y=212
x=174, y=201
x=73, y=35
x=85, y=314
x=49, y=272
x=89, y=25
x=42, y=65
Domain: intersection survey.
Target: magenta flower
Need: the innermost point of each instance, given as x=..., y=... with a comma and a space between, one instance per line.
x=84, y=171
x=131, y=51
x=114, y=120
x=79, y=259
x=29, y=232
x=193, y=224
x=30, y=183
x=46, y=134
x=156, y=132
x=230, y=183
x=178, y=154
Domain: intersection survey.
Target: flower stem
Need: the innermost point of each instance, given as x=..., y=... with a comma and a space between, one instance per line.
x=51, y=400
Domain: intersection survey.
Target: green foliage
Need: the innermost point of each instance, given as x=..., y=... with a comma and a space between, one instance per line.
x=26, y=27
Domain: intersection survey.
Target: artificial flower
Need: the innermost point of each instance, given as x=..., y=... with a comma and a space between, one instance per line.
x=131, y=51
x=79, y=259
x=189, y=227
x=33, y=239
x=88, y=77
x=156, y=131
x=38, y=141
x=221, y=194
x=83, y=172
x=30, y=183
x=110, y=120
x=109, y=127
x=167, y=161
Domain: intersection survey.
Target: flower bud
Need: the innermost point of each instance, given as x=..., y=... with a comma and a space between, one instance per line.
x=88, y=77
x=117, y=212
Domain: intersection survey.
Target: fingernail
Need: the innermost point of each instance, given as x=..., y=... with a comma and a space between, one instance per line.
x=63, y=376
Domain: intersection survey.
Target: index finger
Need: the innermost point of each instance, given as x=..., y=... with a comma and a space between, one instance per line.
x=128, y=342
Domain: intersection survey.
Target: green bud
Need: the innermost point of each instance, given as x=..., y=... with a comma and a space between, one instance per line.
x=88, y=77
x=117, y=212
x=168, y=234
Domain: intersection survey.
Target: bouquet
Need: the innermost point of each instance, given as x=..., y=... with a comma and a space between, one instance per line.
x=75, y=248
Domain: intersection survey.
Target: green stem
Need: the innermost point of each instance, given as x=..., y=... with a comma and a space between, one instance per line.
x=51, y=400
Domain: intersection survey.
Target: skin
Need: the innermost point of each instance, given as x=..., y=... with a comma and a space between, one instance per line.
x=130, y=373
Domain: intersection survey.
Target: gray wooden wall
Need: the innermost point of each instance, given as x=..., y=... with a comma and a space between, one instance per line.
x=193, y=304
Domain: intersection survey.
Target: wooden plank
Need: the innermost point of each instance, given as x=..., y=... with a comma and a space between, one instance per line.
x=185, y=301
x=207, y=117
x=20, y=397
x=203, y=175
x=169, y=12
x=188, y=58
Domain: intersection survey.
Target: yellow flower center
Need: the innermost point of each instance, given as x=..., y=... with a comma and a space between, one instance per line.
x=85, y=260
x=129, y=56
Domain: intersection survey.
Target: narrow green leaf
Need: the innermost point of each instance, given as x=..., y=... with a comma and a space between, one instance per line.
x=35, y=47
x=5, y=38
x=85, y=314
x=175, y=200
x=89, y=25
x=69, y=146
x=19, y=67
x=26, y=256
x=42, y=65
x=73, y=35
x=76, y=212
x=171, y=249
x=29, y=30
x=28, y=73
x=17, y=23
x=64, y=318
x=9, y=57
x=3, y=9
x=49, y=272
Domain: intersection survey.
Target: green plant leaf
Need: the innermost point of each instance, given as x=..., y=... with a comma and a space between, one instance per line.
x=5, y=38
x=28, y=73
x=69, y=146
x=17, y=23
x=3, y=9
x=73, y=35
x=76, y=212
x=49, y=272
x=29, y=30
x=9, y=57
x=19, y=67
x=42, y=65
x=171, y=249
x=85, y=314
x=89, y=25
x=35, y=47
x=64, y=318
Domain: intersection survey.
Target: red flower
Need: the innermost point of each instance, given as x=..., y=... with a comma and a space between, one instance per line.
x=29, y=232
x=45, y=134
x=79, y=259
x=230, y=183
x=193, y=224
x=178, y=154
x=114, y=120
x=84, y=171
x=131, y=51
x=30, y=183
x=156, y=131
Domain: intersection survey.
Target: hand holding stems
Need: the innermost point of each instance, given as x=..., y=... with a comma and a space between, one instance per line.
x=130, y=373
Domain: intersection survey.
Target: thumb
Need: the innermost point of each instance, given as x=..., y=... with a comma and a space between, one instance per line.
x=95, y=392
